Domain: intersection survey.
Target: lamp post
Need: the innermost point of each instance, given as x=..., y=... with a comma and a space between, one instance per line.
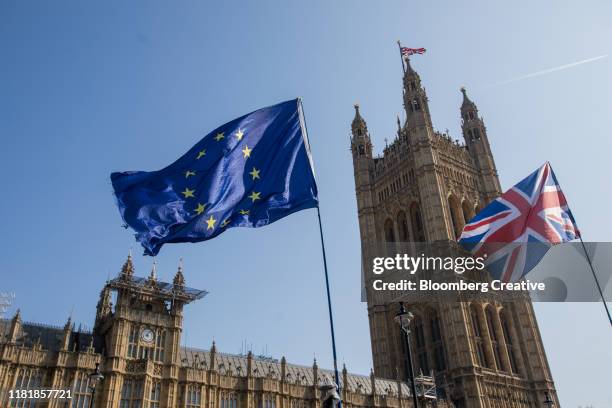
x=94, y=378
x=403, y=318
x=548, y=402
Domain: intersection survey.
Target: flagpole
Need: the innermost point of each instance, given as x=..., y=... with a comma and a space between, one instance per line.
x=603, y=299
x=401, y=56
x=329, y=307
x=329, y=303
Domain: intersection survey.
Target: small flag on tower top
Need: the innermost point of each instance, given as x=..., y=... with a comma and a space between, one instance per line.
x=411, y=51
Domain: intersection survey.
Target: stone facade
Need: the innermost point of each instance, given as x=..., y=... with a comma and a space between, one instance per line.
x=136, y=342
x=422, y=189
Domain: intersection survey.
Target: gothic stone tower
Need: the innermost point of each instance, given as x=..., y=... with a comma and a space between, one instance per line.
x=423, y=188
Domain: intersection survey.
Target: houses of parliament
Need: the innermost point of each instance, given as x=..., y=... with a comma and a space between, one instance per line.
x=422, y=189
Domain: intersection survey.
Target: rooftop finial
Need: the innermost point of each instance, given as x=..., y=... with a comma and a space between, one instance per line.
x=179, y=279
x=153, y=275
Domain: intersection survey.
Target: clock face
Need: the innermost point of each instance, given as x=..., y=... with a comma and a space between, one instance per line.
x=147, y=335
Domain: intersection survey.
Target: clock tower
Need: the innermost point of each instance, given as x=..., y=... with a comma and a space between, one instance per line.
x=138, y=326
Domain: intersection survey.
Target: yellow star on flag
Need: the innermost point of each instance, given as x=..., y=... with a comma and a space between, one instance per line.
x=211, y=222
x=225, y=223
x=189, y=173
x=255, y=173
x=239, y=134
x=244, y=212
x=246, y=151
x=200, y=208
x=201, y=154
x=219, y=137
x=255, y=196
x=188, y=193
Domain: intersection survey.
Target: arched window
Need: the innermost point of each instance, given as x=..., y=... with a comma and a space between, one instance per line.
x=417, y=223
x=493, y=335
x=437, y=341
x=402, y=225
x=421, y=346
x=510, y=346
x=456, y=215
x=389, y=231
x=480, y=354
x=468, y=212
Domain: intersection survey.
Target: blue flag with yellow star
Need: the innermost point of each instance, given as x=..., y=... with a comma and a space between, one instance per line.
x=249, y=172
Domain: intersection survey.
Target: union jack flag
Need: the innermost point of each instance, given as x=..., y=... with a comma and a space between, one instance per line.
x=515, y=231
x=411, y=51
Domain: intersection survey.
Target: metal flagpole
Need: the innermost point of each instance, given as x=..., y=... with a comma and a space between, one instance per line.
x=329, y=303
x=603, y=299
x=329, y=307
x=401, y=56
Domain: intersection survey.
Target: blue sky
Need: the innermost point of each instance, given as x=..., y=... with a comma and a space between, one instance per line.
x=88, y=89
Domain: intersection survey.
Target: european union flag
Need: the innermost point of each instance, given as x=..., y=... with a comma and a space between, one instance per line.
x=249, y=172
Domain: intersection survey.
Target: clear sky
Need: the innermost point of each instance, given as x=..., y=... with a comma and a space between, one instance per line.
x=87, y=89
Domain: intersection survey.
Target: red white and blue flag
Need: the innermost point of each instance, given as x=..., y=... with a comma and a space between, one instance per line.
x=411, y=51
x=515, y=231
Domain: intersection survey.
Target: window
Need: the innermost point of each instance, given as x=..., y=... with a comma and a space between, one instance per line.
x=194, y=396
x=155, y=394
x=27, y=379
x=228, y=400
x=403, y=227
x=417, y=224
x=389, y=232
x=133, y=342
x=415, y=105
x=131, y=393
x=81, y=391
x=493, y=336
x=480, y=355
x=438, y=344
x=269, y=401
x=160, y=345
x=421, y=346
x=509, y=343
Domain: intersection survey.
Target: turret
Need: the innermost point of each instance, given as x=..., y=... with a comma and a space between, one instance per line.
x=416, y=102
x=363, y=168
x=66, y=333
x=127, y=271
x=477, y=142
x=361, y=145
x=15, y=329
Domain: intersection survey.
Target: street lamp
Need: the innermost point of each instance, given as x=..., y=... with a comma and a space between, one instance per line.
x=403, y=318
x=548, y=402
x=94, y=378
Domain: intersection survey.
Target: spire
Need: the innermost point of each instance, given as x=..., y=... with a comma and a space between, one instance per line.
x=68, y=324
x=179, y=279
x=359, y=126
x=153, y=275
x=17, y=316
x=467, y=102
x=127, y=271
x=361, y=145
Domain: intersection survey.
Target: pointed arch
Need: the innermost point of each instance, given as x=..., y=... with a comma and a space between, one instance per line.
x=477, y=336
x=456, y=215
x=468, y=210
x=509, y=340
x=389, y=230
x=493, y=335
x=418, y=229
x=402, y=226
